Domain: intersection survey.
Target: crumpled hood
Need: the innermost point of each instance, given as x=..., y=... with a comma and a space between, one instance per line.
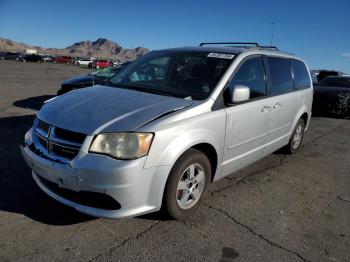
x=78, y=79
x=107, y=109
x=84, y=79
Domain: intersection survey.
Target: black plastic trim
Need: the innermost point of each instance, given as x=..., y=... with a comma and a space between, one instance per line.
x=86, y=198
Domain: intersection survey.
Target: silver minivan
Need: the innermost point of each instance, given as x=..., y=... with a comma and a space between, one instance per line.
x=169, y=124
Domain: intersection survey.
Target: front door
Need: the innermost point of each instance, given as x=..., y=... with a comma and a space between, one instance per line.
x=247, y=124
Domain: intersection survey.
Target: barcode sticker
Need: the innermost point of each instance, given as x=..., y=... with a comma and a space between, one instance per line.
x=221, y=55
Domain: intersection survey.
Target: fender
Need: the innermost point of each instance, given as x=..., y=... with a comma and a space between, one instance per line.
x=182, y=142
x=176, y=146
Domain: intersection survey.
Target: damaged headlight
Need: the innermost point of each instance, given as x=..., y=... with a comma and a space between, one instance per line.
x=122, y=145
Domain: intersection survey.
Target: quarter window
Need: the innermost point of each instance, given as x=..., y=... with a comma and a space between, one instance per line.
x=281, y=76
x=251, y=74
x=301, y=75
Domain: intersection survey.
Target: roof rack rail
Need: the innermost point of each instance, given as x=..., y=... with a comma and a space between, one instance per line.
x=269, y=47
x=231, y=43
x=241, y=44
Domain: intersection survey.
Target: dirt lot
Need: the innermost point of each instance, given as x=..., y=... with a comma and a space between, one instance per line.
x=283, y=208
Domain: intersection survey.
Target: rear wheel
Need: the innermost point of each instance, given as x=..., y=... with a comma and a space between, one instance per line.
x=297, y=138
x=187, y=184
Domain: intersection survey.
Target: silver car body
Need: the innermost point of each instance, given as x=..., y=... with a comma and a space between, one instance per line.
x=235, y=137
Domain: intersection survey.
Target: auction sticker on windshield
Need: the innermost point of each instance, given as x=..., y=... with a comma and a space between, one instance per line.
x=221, y=55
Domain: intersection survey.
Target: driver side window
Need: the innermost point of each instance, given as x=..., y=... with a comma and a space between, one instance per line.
x=151, y=71
x=251, y=74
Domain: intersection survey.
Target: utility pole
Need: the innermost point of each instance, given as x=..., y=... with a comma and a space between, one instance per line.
x=272, y=32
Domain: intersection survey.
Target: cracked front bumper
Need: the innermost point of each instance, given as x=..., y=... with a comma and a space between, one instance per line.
x=138, y=190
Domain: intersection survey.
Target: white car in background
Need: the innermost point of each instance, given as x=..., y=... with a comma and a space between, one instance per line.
x=84, y=62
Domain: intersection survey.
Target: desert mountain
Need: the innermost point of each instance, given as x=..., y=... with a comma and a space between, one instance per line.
x=101, y=48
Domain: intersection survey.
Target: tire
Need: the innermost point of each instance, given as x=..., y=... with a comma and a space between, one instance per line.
x=187, y=184
x=297, y=138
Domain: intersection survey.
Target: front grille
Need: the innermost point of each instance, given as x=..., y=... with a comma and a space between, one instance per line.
x=65, y=152
x=69, y=135
x=57, y=142
x=86, y=198
x=42, y=141
x=44, y=126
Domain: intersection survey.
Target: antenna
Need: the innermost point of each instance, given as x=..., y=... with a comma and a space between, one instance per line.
x=272, y=31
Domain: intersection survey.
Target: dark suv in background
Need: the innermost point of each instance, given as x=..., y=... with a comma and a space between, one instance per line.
x=9, y=55
x=30, y=58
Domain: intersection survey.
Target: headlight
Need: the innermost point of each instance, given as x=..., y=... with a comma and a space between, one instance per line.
x=122, y=145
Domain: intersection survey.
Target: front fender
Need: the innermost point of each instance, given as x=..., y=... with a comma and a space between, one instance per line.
x=169, y=145
x=179, y=144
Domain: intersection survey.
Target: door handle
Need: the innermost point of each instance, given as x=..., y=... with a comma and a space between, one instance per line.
x=277, y=105
x=266, y=108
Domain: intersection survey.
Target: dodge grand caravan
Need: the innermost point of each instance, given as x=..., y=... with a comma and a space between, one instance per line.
x=160, y=131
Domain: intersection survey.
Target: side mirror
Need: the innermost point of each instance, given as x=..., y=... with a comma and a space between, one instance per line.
x=239, y=94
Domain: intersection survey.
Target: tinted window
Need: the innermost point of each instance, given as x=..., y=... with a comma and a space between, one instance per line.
x=301, y=76
x=281, y=76
x=251, y=74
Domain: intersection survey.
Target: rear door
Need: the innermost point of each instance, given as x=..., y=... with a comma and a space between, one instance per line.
x=284, y=101
x=247, y=123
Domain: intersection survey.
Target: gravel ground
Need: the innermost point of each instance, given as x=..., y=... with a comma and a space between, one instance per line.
x=282, y=208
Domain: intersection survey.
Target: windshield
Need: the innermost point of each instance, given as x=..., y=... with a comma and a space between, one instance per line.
x=105, y=72
x=336, y=81
x=181, y=74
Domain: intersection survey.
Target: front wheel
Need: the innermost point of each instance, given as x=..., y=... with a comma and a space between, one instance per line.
x=187, y=184
x=297, y=138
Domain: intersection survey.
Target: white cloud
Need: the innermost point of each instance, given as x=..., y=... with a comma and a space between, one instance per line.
x=345, y=55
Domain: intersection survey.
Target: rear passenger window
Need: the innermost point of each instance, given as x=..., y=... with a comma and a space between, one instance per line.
x=251, y=74
x=301, y=75
x=281, y=75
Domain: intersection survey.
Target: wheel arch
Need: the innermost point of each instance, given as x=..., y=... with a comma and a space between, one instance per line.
x=302, y=114
x=210, y=152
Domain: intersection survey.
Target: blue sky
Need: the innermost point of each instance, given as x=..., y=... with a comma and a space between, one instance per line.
x=317, y=31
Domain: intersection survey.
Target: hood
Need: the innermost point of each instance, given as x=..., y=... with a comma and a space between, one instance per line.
x=107, y=109
x=330, y=90
x=80, y=80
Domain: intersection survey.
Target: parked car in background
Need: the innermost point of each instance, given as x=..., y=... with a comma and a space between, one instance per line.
x=30, y=58
x=101, y=63
x=47, y=58
x=9, y=55
x=63, y=60
x=332, y=97
x=166, y=126
x=319, y=75
x=84, y=62
x=98, y=77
